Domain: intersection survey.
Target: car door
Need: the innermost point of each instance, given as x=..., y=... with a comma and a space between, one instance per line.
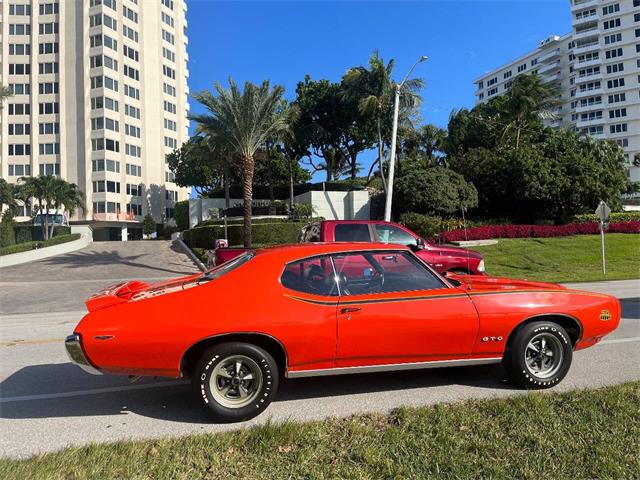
x=396, y=310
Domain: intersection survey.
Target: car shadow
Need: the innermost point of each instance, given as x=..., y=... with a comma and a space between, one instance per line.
x=64, y=390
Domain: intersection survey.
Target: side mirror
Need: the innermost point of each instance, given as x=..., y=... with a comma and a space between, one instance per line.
x=420, y=243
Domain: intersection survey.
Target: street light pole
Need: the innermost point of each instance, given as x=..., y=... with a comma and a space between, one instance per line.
x=394, y=134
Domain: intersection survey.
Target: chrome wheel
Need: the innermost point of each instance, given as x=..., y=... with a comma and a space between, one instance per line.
x=543, y=355
x=236, y=381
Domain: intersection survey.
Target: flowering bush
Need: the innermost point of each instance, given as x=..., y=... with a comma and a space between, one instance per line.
x=536, y=231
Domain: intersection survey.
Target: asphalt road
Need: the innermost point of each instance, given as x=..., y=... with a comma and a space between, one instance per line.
x=46, y=403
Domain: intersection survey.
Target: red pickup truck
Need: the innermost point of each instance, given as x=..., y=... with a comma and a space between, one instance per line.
x=441, y=258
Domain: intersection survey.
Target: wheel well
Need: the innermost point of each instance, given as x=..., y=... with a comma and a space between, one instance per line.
x=570, y=324
x=266, y=342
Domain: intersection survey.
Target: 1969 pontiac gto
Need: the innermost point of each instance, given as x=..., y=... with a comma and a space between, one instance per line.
x=331, y=309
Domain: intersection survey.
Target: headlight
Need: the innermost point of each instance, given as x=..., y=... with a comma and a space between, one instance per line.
x=481, y=266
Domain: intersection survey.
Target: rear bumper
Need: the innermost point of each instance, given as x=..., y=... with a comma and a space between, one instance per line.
x=76, y=354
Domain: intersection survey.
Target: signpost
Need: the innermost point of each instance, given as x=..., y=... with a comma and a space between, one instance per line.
x=603, y=212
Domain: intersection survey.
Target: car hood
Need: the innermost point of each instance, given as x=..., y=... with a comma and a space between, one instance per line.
x=455, y=251
x=137, y=290
x=479, y=283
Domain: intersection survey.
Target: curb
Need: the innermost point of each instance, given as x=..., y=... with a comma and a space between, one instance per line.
x=46, y=252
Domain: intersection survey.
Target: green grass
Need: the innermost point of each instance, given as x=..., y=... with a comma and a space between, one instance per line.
x=564, y=259
x=575, y=435
x=25, y=247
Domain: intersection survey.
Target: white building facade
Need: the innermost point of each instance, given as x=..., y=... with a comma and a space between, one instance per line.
x=99, y=97
x=597, y=69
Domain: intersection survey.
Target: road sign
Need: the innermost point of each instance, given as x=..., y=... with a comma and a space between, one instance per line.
x=603, y=211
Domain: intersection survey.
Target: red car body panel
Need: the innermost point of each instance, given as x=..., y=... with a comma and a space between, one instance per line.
x=441, y=258
x=146, y=329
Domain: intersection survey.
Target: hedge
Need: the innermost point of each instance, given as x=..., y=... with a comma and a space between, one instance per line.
x=33, y=233
x=262, y=233
x=613, y=218
x=429, y=226
x=25, y=247
x=536, y=231
x=181, y=215
x=256, y=221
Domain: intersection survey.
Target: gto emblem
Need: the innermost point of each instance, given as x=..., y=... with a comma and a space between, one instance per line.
x=491, y=339
x=605, y=315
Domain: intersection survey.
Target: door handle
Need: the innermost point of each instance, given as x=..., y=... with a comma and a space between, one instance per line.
x=350, y=309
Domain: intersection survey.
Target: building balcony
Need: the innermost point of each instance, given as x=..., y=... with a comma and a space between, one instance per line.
x=551, y=78
x=588, y=78
x=552, y=55
x=589, y=108
x=577, y=5
x=549, y=67
x=587, y=63
x=590, y=123
x=590, y=47
x=588, y=93
x=578, y=22
x=117, y=217
x=590, y=33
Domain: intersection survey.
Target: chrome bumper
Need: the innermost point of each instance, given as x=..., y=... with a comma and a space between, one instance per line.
x=77, y=356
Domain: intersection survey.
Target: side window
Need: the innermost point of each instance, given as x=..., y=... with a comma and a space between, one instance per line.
x=393, y=234
x=352, y=232
x=383, y=272
x=312, y=275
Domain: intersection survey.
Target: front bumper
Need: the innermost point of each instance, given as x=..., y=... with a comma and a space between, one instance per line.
x=77, y=356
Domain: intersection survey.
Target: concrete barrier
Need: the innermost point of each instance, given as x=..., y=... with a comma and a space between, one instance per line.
x=34, y=255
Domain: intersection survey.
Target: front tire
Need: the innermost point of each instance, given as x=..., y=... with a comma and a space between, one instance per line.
x=235, y=381
x=539, y=356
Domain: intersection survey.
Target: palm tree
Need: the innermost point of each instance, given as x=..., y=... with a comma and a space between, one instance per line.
x=5, y=92
x=50, y=193
x=243, y=121
x=375, y=89
x=7, y=196
x=529, y=100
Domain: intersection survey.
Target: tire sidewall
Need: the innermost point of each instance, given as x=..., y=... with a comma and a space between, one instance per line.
x=515, y=358
x=218, y=353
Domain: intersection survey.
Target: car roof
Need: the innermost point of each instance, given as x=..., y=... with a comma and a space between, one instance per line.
x=301, y=250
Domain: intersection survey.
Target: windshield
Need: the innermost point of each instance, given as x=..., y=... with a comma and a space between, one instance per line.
x=226, y=267
x=53, y=218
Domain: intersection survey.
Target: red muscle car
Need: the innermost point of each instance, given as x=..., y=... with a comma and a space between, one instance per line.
x=329, y=309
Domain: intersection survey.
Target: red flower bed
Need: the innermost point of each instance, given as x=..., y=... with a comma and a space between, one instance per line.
x=536, y=231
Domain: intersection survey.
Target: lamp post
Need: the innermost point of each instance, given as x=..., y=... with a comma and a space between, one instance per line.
x=394, y=134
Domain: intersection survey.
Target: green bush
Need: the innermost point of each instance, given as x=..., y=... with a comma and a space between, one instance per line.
x=25, y=247
x=263, y=233
x=302, y=211
x=7, y=233
x=32, y=233
x=613, y=218
x=148, y=225
x=429, y=226
x=182, y=215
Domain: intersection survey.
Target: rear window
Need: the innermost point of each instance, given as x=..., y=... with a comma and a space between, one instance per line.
x=356, y=232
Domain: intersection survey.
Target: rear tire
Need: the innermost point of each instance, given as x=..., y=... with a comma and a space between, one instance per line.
x=539, y=356
x=235, y=381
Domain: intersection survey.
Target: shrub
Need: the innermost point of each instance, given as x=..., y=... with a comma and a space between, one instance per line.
x=148, y=225
x=262, y=233
x=25, y=247
x=302, y=211
x=7, y=233
x=428, y=226
x=181, y=215
x=32, y=233
x=536, y=231
x=613, y=218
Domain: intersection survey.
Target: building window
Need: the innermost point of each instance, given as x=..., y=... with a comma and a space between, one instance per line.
x=133, y=170
x=618, y=128
x=616, y=52
x=19, y=129
x=616, y=67
x=49, y=28
x=47, y=108
x=19, y=109
x=170, y=125
x=132, y=131
x=48, y=47
x=49, y=169
x=49, y=149
x=19, y=149
x=131, y=92
x=522, y=67
x=135, y=190
x=171, y=107
x=506, y=75
x=130, y=33
x=19, y=69
x=20, y=29
x=19, y=49
x=171, y=90
x=19, y=10
x=611, y=24
x=135, y=209
x=615, y=83
x=130, y=14
x=50, y=128
x=19, y=170
x=608, y=39
x=47, y=67
x=133, y=150
x=20, y=88
x=618, y=113
x=608, y=10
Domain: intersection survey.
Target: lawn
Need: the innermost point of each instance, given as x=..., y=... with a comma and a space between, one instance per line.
x=580, y=434
x=564, y=259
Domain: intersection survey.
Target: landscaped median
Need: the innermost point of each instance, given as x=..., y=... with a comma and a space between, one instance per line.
x=580, y=434
x=27, y=246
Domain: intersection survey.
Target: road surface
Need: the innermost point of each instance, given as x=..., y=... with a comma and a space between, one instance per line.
x=47, y=404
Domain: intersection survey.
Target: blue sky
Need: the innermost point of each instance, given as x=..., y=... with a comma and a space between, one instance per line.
x=284, y=40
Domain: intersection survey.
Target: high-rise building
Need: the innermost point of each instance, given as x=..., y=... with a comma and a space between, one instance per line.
x=99, y=97
x=597, y=69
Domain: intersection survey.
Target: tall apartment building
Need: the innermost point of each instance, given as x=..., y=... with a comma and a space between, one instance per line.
x=99, y=98
x=597, y=69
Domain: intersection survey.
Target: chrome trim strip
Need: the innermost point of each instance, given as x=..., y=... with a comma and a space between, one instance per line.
x=392, y=367
x=77, y=356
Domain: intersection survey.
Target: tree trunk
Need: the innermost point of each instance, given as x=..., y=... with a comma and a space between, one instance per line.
x=380, y=154
x=290, y=185
x=247, y=196
x=225, y=174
